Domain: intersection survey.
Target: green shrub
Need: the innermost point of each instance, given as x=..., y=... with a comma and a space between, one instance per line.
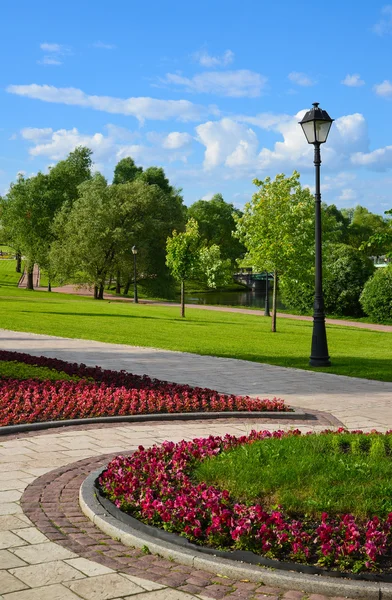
x=346, y=271
x=376, y=298
x=297, y=295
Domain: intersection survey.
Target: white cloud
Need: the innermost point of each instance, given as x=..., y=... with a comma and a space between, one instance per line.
x=107, y=149
x=384, y=89
x=227, y=142
x=54, y=54
x=142, y=108
x=301, y=79
x=104, y=46
x=57, y=48
x=175, y=140
x=208, y=196
x=231, y=143
x=237, y=84
x=36, y=134
x=378, y=160
x=348, y=195
x=49, y=60
x=385, y=23
x=353, y=80
x=206, y=60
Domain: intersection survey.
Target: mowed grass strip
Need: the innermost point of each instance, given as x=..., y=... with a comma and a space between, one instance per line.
x=354, y=352
x=12, y=369
x=308, y=475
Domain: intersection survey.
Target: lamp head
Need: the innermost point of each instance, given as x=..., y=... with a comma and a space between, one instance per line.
x=316, y=124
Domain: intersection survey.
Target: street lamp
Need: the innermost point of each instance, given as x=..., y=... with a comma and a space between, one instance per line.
x=316, y=125
x=134, y=252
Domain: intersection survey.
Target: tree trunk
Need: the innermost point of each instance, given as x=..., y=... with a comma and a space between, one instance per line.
x=95, y=292
x=274, y=294
x=30, y=282
x=118, y=283
x=18, y=262
x=182, y=299
x=100, y=292
x=49, y=286
x=110, y=281
x=127, y=286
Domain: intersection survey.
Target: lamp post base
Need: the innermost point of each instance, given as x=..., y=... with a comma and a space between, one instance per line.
x=319, y=362
x=319, y=356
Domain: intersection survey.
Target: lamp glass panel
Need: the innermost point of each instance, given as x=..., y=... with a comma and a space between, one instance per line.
x=308, y=129
x=322, y=129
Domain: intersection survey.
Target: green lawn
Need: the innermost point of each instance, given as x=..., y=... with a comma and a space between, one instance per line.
x=8, y=276
x=354, y=352
x=308, y=474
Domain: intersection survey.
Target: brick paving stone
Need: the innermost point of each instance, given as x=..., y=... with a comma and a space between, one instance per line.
x=191, y=589
x=321, y=597
x=265, y=589
x=217, y=591
x=194, y=579
x=293, y=595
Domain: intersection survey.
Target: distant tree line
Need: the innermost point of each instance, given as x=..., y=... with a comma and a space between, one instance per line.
x=79, y=228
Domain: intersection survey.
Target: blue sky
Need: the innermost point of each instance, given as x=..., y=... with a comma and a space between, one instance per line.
x=211, y=90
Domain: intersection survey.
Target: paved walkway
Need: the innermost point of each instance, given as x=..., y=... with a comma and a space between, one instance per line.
x=35, y=567
x=356, y=402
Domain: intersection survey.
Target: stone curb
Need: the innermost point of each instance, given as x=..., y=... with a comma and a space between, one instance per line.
x=314, y=584
x=295, y=413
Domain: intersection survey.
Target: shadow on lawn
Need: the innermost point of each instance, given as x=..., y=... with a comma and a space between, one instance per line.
x=375, y=369
x=186, y=322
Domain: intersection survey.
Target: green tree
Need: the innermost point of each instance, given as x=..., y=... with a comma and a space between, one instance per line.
x=363, y=225
x=126, y=171
x=277, y=229
x=213, y=269
x=216, y=220
x=31, y=204
x=380, y=243
x=101, y=228
x=169, y=214
x=182, y=256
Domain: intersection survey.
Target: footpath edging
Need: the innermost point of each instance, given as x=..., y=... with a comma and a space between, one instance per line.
x=294, y=414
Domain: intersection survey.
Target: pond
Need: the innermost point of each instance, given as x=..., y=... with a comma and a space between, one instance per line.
x=255, y=299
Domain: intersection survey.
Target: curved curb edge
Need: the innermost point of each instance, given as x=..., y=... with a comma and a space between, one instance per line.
x=311, y=584
x=295, y=413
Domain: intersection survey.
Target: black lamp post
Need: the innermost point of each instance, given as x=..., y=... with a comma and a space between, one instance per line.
x=266, y=307
x=316, y=125
x=134, y=252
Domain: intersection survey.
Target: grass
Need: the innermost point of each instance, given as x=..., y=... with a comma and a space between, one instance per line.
x=8, y=275
x=308, y=475
x=354, y=352
x=19, y=370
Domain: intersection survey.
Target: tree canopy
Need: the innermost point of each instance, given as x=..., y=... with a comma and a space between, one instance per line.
x=216, y=220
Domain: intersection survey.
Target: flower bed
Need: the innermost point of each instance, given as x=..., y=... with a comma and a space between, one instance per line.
x=112, y=393
x=156, y=487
